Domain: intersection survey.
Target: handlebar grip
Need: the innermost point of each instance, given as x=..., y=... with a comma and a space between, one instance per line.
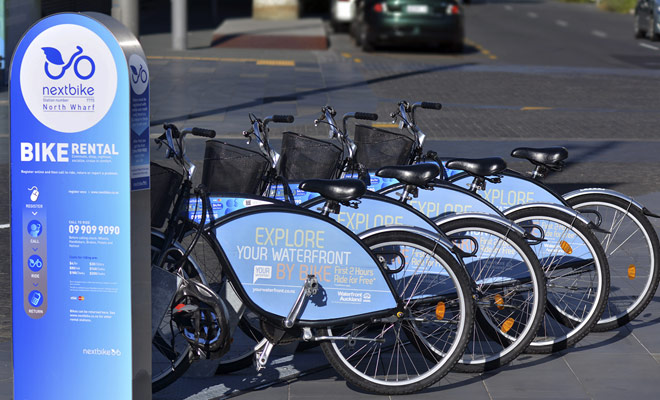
x=367, y=116
x=432, y=106
x=209, y=133
x=287, y=119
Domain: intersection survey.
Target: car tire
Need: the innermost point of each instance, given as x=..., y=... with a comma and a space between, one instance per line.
x=639, y=33
x=456, y=46
x=365, y=44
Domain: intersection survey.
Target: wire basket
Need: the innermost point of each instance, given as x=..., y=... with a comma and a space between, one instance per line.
x=165, y=183
x=229, y=168
x=378, y=148
x=304, y=157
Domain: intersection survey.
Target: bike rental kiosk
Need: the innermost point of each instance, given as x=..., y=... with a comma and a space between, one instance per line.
x=80, y=251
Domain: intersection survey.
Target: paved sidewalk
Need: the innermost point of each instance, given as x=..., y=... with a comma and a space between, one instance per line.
x=300, y=34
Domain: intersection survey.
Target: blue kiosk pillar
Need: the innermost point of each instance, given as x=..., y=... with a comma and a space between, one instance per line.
x=80, y=251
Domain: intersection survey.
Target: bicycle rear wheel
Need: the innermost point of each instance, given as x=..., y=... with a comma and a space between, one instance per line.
x=416, y=348
x=632, y=249
x=577, y=276
x=509, y=290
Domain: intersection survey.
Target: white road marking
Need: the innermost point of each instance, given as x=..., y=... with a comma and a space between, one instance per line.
x=561, y=23
x=599, y=34
x=4, y=226
x=648, y=46
x=508, y=8
x=532, y=15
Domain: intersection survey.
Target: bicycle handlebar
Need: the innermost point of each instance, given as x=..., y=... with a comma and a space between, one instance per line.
x=176, y=147
x=365, y=116
x=430, y=105
x=287, y=119
x=209, y=133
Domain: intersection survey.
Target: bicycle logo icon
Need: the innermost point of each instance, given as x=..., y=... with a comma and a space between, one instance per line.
x=140, y=75
x=53, y=56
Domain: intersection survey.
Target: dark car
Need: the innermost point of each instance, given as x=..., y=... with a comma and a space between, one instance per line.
x=647, y=21
x=432, y=22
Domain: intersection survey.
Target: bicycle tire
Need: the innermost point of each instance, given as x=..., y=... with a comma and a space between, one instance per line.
x=421, y=322
x=241, y=352
x=509, y=288
x=572, y=260
x=170, y=360
x=632, y=250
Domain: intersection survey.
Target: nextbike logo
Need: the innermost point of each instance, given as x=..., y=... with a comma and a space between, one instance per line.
x=139, y=74
x=68, y=78
x=53, y=56
x=102, y=352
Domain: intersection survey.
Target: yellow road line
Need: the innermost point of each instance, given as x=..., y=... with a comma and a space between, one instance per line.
x=357, y=60
x=384, y=125
x=346, y=55
x=278, y=63
x=483, y=51
x=535, y=108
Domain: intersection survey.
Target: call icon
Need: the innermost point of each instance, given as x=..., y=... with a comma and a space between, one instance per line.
x=34, y=228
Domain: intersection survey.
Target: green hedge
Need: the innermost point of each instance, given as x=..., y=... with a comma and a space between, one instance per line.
x=620, y=6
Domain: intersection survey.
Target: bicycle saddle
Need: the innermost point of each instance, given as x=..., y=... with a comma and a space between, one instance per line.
x=547, y=156
x=478, y=166
x=417, y=174
x=335, y=189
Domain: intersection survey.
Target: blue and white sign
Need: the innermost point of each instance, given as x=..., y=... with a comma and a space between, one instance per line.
x=79, y=135
x=273, y=253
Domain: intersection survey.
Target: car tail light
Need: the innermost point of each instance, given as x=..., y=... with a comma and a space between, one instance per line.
x=378, y=7
x=453, y=9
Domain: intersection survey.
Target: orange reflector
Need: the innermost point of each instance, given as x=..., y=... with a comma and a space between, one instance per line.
x=507, y=325
x=499, y=302
x=566, y=247
x=440, y=310
x=632, y=272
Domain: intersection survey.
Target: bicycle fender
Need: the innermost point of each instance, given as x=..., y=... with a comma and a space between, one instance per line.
x=412, y=229
x=557, y=207
x=488, y=217
x=613, y=193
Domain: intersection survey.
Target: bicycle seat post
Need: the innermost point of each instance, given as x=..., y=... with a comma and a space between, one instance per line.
x=409, y=192
x=330, y=207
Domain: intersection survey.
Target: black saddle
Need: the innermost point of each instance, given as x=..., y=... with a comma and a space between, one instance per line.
x=416, y=175
x=481, y=167
x=341, y=190
x=550, y=157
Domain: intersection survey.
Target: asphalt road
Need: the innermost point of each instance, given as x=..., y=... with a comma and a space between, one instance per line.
x=532, y=73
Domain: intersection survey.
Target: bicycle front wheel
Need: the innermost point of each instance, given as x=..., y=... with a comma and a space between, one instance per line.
x=417, y=347
x=577, y=276
x=509, y=290
x=170, y=352
x=632, y=249
x=241, y=351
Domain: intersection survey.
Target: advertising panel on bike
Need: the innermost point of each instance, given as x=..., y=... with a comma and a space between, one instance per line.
x=441, y=201
x=511, y=191
x=273, y=253
x=74, y=165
